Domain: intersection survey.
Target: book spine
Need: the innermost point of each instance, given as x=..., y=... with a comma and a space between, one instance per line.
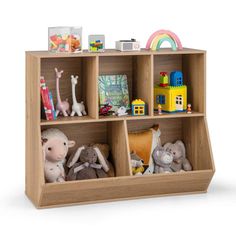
x=52, y=105
x=45, y=99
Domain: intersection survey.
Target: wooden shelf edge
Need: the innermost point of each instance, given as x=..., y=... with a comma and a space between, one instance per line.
x=114, y=52
x=121, y=178
x=120, y=199
x=88, y=119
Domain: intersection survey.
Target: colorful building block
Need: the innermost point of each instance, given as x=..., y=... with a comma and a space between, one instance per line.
x=176, y=78
x=138, y=107
x=173, y=97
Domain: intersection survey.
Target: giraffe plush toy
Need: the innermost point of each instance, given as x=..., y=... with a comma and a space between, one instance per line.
x=62, y=106
x=77, y=107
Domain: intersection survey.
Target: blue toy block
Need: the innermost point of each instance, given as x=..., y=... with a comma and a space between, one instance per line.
x=176, y=78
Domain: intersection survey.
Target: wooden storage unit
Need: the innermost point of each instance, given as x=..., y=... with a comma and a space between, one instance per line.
x=142, y=69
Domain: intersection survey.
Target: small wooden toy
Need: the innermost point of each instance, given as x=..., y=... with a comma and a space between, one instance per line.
x=104, y=110
x=77, y=107
x=138, y=107
x=157, y=38
x=62, y=106
x=159, y=110
x=173, y=97
x=96, y=43
x=121, y=111
x=189, y=109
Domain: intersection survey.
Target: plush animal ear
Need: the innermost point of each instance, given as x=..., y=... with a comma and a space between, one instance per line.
x=101, y=159
x=181, y=146
x=74, y=158
x=71, y=143
x=43, y=141
x=167, y=145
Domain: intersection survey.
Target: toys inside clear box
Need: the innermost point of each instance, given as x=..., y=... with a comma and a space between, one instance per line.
x=65, y=39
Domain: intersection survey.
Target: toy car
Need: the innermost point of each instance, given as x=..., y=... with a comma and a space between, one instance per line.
x=104, y=110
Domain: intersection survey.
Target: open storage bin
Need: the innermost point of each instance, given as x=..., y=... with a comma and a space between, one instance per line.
x=191, y=130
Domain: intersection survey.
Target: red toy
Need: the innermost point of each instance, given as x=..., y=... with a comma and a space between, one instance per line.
x=105, y=109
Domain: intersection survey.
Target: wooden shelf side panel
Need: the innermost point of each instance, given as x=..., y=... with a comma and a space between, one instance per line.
x=90, y=85
x=194, y=69
x=143, y=80
x=197, y=143
x=117, y=139
x=34, y=160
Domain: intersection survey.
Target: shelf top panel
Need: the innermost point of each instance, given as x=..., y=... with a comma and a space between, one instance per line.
x=114, y=52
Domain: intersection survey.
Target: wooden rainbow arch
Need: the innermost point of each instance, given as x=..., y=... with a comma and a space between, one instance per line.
x=157, y=38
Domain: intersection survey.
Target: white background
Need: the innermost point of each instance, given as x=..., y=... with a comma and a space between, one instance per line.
x=201, y=24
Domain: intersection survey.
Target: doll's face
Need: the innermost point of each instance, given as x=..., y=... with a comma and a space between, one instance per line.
x=55, y=149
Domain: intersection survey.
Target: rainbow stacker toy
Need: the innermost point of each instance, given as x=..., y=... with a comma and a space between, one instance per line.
x=157, y=38
x=171, y=96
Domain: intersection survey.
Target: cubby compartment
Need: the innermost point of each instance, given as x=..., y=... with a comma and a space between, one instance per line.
x=138, y=70
x=191, y=130
x=85, y=90
x=192, y=66
x=102, y=133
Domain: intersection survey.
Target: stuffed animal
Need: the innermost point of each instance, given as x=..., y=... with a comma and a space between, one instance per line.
x=180, y=162
x=55, y=146
x=136, y=164
x=90, y=162
x=162, y=160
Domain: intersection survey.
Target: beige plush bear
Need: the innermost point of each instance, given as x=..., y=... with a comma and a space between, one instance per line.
x=178, y=152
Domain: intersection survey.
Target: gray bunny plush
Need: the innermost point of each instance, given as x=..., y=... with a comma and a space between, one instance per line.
x=180, y=162
x=90, y=162
x=162, y=160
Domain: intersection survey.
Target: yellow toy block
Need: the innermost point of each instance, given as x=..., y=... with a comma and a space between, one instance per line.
x=171, y=98
x=138, y=107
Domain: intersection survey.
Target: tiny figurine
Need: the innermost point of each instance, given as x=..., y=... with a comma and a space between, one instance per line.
x=136, y=164
x=62, y=106
x=189, y=109
x=121, y=111
x=138, y=107
x=128, y=45
x=96, y=43
x=159, y=37
x=159, y=110
x=104, y=110
x=77, y=108
x=172, y=94
x=55, y=145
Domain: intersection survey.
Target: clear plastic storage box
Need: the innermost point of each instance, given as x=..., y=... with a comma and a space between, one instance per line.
x=65, y=39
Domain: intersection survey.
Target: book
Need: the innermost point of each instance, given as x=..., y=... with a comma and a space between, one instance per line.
x=113, y=90
x=46, y=100
x=52, y=105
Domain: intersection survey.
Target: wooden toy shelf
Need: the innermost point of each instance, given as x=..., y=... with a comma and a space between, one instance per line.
x=142, y=70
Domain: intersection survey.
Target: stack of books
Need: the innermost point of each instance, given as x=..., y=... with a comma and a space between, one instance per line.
x=47, y=100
